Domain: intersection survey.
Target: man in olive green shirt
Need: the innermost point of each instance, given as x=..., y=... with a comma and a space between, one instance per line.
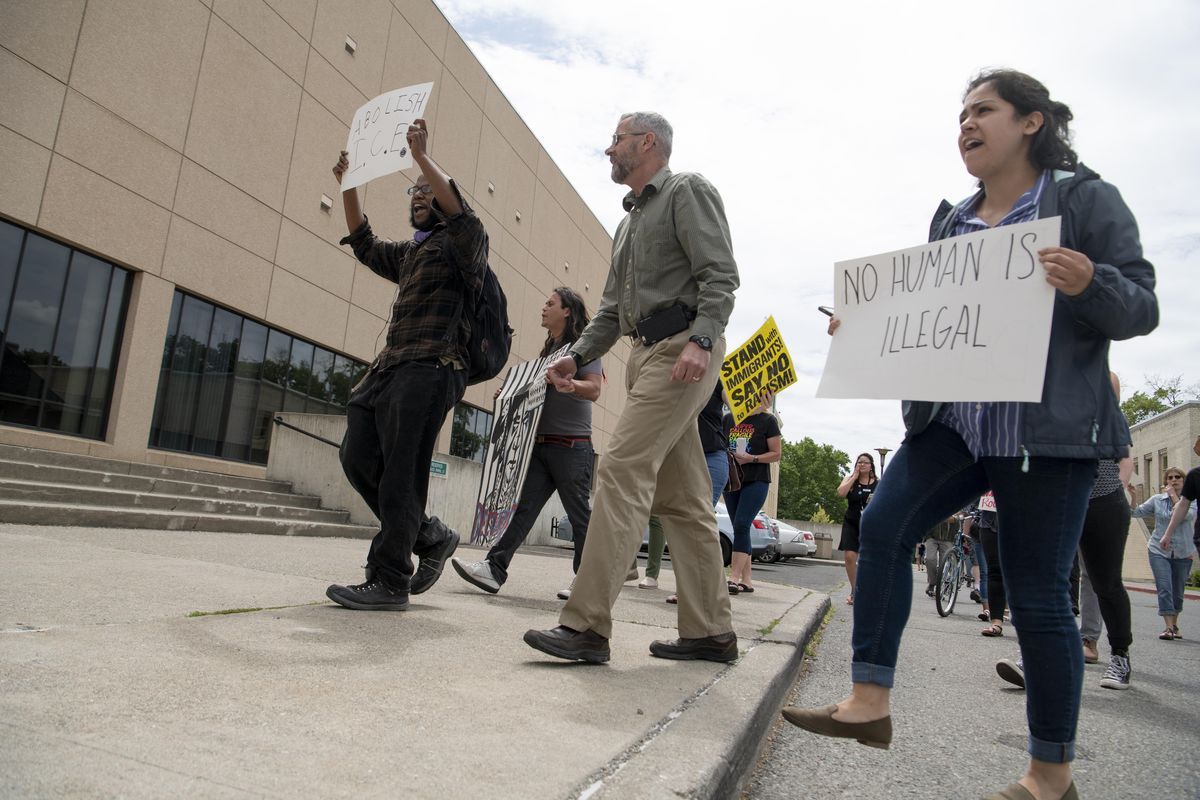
x=670, y=287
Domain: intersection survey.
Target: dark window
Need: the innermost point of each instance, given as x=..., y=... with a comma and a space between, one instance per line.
x=469, y=434
x=61, y=314
x=224, y=377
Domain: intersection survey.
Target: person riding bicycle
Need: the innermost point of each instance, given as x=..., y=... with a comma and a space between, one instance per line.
x=938, y=542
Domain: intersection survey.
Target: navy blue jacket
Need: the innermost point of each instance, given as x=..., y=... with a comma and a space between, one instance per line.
x=1079, y=416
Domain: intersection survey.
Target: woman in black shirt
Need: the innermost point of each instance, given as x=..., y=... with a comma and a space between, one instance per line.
x=761, y=444
x=857, y=488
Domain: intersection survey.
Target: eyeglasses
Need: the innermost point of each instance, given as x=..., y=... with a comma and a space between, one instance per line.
x=422, y=189
x=1174, y=477
x=617, y=136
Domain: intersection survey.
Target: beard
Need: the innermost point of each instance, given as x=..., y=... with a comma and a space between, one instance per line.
x=429, y=224
x=620, y=170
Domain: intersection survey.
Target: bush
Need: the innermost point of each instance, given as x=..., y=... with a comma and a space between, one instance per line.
x=1195, y=579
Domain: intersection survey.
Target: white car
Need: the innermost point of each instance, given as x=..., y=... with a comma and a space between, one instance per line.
x=794, y=542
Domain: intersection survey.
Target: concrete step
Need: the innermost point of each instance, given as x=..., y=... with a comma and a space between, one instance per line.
x=31, y=455
x=67, y=494
x=63, y=514
x=27, y=472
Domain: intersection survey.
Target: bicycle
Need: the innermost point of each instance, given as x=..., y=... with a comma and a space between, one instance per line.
x=953, y=572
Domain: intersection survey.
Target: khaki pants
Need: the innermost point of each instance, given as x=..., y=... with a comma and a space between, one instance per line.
x=655, y=464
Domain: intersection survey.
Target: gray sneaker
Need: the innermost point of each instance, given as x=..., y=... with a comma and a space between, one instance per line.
x=1117, y=674
x=477, y=573
x=1011, y=671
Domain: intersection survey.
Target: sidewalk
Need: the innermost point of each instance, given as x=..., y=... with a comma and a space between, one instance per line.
x=111, y=687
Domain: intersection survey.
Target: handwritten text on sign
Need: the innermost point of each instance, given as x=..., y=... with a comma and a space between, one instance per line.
x=378, y=142
x=762, y=362
x=966, y=319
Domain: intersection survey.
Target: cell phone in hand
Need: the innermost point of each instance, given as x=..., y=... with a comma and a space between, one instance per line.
x=826, y=310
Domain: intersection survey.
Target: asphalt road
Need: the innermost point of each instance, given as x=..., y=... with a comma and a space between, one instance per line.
x=960, y=730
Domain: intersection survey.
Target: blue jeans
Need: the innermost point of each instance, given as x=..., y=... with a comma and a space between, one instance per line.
x=1041, y=512
x=718, y=471
x=743, y=506
x=1170, y=576
x=979, y=559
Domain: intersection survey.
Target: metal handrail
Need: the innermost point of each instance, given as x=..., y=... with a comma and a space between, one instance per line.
x=290, y=426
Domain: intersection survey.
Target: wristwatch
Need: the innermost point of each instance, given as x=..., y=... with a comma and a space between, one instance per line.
x=704, y=342
x=756, y=459
x=575, y=357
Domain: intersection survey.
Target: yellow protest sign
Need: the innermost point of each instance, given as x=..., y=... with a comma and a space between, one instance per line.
x=762, y=362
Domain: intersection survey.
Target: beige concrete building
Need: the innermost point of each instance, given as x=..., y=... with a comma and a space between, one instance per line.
x=169, y=269
x=1165, y=440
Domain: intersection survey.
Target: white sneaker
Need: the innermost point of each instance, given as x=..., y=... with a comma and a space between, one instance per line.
x=565, y=594
x=476, y=573
x=1011, y=671
x=648, y=583
x=1117, y=674
x=632, y=575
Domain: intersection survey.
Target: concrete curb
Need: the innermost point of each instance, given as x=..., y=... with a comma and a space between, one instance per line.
x=710, y=751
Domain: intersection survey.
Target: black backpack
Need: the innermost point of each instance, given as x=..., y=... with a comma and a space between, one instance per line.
x=491, y=336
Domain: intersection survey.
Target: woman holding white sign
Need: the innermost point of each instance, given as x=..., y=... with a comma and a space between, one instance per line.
x=1039, y=459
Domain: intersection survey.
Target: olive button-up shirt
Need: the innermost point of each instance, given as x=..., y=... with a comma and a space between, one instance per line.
x=672, y=247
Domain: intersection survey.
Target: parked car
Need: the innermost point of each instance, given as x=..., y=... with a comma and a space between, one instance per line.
x=764, y=539
x=794, y=542
x=562, y=530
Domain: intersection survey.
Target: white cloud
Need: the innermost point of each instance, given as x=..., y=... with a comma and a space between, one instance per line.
x=830, y=131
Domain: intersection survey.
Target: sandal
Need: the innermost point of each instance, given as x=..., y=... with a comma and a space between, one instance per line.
x=993, y=630
x=1167, y=635
x=733, y=587
x=744, y=588
x=984, y=616
x=673, y=599
x=1175, y=632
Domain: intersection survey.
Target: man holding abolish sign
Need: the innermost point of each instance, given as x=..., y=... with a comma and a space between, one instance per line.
x=395, y=413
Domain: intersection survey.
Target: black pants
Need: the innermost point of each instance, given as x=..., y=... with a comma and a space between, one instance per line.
x=551, y=467
x=392, y=424
x=1102, y=545
x=997, y=599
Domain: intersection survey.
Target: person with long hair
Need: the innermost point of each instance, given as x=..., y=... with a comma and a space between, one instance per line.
x=857, y=488
x=562, y=453
x=763, y=444
x=1170, y=557
x=1039, y=459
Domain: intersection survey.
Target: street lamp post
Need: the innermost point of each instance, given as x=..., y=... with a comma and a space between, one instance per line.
x=883, y=451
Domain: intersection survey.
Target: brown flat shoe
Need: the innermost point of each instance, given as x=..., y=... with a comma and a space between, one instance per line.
x=876, y=733
x=1018, y=792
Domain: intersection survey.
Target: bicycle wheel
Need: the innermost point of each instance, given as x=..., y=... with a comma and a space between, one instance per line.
x=947, y=585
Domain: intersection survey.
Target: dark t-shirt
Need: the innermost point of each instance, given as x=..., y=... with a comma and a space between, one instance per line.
x=757, y=428
x=714, y=435
x=857, y=499
x=568, y=414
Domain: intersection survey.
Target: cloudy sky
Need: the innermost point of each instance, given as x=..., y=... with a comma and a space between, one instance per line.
x=830, y=130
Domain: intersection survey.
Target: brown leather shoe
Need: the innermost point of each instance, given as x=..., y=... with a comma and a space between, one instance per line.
x=722, y=647
x=1018, y=792
x=876, y=733
x=568, y=643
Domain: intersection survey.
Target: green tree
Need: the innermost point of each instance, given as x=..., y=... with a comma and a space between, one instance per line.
x=1162, y=394
x=809, y=474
